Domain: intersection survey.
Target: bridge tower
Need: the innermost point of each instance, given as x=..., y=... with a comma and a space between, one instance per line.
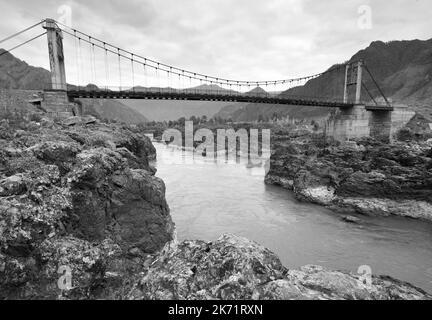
x=56, y=55
x=353, y=77
x=55, y=99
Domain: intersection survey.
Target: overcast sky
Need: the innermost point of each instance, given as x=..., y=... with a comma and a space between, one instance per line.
x=240, y=39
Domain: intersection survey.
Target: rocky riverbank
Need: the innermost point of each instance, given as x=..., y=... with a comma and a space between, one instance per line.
x=81, y=202
x=83, y=197
x=364, y=176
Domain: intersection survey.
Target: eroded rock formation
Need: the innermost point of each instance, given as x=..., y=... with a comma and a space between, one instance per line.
x=363, y=176
x=236, y=268
x=81, y=197
x=82, y=216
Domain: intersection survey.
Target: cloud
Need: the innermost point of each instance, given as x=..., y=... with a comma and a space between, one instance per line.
x=246, y=39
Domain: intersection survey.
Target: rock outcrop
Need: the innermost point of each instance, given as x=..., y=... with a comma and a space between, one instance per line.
x=81, y=198
x=363, y=176
x=82, y=216
x=236, y=268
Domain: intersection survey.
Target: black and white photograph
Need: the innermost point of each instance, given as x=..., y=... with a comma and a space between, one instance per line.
x=211, y=155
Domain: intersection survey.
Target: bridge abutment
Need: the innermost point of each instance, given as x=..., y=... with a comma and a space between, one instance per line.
x=54, y=104
x=57, y=104
x=358, y=121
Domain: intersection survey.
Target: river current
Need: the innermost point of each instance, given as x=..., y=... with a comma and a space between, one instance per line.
x=208, y=198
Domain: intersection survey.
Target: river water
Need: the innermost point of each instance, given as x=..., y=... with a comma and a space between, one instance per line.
x=208, y=198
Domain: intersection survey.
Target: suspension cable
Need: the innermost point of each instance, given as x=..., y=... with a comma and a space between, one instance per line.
x=24, y=43
x=368, y=92
x=21, y=32
x=376, y=84
x=199, y=76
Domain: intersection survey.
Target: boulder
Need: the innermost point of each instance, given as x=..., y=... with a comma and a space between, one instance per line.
x=236, y=268
x=351, y=219
x=12, y=185
x=108, y=195
x=72, y=121
x=88, y=119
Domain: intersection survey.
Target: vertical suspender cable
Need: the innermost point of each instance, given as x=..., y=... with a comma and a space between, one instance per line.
x=81, y=62
x=133, y=73
x=106, y=67
x=119, y=67
x=94, y=62
x=145, y=74
x=91, y=61
x=77, y=59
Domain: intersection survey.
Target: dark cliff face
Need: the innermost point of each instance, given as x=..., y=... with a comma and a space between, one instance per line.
x=81, y=197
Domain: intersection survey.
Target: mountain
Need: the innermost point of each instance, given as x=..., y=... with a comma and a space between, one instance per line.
x=402, y=68
x=165, y=110
x=112, y=110
x=17, y=74
x=211, y=88
x=258, y=91
x=255, y=111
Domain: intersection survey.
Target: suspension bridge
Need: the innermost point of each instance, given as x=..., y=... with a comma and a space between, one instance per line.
x=122, y=74
x=101, y=70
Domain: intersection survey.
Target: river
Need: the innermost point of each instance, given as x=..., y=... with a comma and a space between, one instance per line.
x=208, y=198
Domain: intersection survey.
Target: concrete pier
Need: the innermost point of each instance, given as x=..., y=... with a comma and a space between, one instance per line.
x=358, y=121
x=54, y=104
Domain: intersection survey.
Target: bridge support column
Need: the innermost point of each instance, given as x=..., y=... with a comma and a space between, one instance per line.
x=345, y=97
x=359, y=82
x=348, y=123
x=56, y=55
x=357, y=122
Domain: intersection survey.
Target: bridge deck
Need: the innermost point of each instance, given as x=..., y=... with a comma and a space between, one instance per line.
x=198, y=95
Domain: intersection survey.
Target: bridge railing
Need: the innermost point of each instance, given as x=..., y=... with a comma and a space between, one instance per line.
x=187, y=92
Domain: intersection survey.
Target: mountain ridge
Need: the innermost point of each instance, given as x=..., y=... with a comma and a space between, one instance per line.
x=402, y=68
x=18, y=74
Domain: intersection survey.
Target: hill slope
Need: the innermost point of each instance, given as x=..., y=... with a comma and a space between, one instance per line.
x=402, y=68
x=161, y=110
x=112, y=110
x=17, y=74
